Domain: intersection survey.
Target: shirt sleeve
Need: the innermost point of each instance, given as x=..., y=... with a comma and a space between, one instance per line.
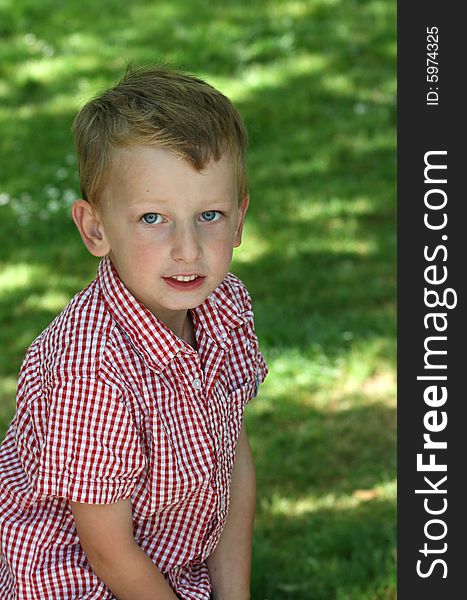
x=261, y=371
x=88, y=447
x=256, y=357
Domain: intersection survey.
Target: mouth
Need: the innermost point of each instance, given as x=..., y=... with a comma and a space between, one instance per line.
x=185, y=282
x=184, y=277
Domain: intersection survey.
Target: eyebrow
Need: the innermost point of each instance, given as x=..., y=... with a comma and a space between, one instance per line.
x=162, y=201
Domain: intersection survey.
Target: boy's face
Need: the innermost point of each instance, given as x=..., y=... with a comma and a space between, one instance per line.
x=170, y=230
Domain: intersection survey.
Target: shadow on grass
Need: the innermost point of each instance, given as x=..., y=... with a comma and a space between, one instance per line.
x=303, y=450
x=324, y=527
x=326, y=554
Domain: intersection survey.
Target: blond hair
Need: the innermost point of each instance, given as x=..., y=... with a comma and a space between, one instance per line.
x=162, y=107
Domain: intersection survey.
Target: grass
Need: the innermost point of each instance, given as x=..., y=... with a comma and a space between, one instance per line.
x=315, y=81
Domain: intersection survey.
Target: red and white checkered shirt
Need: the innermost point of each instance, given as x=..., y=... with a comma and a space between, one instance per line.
x=112, y=405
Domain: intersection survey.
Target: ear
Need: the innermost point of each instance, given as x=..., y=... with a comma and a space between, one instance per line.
x=241, y=215
x=90, y=228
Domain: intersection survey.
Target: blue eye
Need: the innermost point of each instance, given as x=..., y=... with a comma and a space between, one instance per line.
x=150, y=218
x=210, y=215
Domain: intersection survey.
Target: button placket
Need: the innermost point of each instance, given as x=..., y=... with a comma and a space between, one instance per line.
x=196, y=375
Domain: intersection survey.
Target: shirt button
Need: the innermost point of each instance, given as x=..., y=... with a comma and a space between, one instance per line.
x=196, y=383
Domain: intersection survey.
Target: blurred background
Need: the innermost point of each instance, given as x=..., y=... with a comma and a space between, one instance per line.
x=315, y=82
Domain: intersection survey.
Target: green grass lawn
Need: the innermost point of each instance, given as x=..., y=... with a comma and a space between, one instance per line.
x=315, y=81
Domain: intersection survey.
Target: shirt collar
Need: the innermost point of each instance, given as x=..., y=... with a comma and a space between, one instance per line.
x=218, y=315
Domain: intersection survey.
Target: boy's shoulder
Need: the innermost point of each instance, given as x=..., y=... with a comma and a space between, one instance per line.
x=74, y=341
x=233, y=290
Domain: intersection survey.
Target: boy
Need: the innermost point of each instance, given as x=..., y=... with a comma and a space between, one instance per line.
x=126, y=471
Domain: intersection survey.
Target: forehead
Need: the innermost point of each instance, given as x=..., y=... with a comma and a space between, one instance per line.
x=143, y=172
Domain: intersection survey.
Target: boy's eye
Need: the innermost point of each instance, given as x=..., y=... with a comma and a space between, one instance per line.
x=210, y=215
x=151, y=218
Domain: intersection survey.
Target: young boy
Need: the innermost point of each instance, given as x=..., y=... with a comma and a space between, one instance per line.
x=126, y=471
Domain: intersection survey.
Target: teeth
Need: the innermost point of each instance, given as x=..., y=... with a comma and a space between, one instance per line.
x=185, y=277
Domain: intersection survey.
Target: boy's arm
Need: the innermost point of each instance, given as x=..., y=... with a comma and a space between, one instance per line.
x=230, y=563
x=106, y=535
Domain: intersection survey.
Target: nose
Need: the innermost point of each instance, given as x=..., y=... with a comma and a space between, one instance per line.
x=186, y=243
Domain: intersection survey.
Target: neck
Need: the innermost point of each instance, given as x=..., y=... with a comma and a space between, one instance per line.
x=188, y=331
x=181, y=325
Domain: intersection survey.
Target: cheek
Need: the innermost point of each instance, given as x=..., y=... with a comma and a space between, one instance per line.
x=137, y=253
x=222, y=255
x=220, y=242
x=147, y=242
